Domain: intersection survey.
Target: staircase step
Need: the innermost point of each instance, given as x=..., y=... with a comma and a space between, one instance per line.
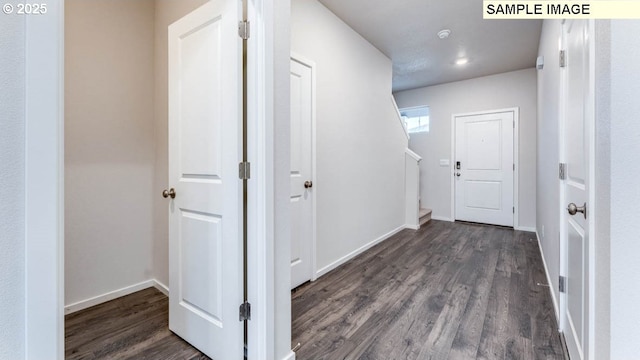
x=425, y=216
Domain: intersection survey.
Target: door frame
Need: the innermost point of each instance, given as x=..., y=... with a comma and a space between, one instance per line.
x=44, y=183
x=312, y=65
x=516, y=160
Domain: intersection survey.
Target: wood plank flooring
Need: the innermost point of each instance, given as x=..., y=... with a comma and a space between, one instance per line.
x=131, y=327
x=447, y=291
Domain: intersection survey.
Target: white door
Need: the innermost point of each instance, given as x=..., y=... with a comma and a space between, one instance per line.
x=574, y=153
x=301, y=174
x=205, y=227
x=483, y=168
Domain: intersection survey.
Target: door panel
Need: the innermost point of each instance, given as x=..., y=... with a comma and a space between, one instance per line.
x=205, y=226
x=574, y=189
x=301, y=171
x=483, y=195
x=484, y=182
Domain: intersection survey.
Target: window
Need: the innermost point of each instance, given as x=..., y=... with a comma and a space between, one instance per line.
x=416, y=119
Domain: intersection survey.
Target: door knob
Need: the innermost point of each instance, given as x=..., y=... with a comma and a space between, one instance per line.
x=169, y=193
x=573, y=209
x=458, y=174
x=308, y=184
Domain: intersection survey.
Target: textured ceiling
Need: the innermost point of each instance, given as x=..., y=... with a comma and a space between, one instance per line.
x=405, y=31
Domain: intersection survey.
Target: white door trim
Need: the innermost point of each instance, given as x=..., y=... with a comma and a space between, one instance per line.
x=261, y=199
x=312, y=65
x=591, y=125
x=44, y=184
x=516, y=151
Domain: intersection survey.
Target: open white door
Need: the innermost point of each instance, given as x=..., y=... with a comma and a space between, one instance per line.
x=574, y=152
x=302, y=231
x=205, y=215
x=484, y=168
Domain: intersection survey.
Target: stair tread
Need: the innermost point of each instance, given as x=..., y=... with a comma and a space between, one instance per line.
x=424, y=212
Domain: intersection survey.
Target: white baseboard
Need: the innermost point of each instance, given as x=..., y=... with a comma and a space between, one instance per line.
x=556, y=308
x=412, y=227
x=161, y=287
x=357, y=252
x=441, y=218
x=525, y=228
x=291, y=356
x=96, y=300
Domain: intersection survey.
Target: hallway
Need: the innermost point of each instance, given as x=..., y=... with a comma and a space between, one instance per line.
x=446, y=291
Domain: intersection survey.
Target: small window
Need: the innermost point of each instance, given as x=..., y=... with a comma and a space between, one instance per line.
x=416, y=119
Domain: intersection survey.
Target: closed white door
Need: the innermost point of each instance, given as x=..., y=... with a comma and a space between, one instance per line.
x=574, y=153
x=205, y=217
x=484, y=168
x=301, y=174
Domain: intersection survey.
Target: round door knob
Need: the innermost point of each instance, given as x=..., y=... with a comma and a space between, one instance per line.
x=308, y=184
x=574, y=209
x=458, y=174
x=169, y=193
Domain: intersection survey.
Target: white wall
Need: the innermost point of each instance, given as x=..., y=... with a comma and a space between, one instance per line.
x=602, y=205
x=109, y=145
x=12, y=166
x=625, y=191
x=548, y=187
x=507, y=90
x=360, y=144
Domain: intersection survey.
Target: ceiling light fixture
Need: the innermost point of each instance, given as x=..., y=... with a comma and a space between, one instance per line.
x=462, y=61
x=444, y=33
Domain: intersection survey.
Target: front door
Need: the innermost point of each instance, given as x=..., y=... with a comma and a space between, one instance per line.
x=301, y=174
x=574, y=153
x=205, y=209
x=483, y=168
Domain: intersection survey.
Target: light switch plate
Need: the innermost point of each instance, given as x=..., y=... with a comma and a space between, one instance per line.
x=444, y=162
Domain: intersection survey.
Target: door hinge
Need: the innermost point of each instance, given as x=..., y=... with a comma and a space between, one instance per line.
x=245, y=170
x=563, y=58
x=245, y=311
x=513, y=209
x=562, y=284
x=244, y=29
x=514, y=167
x=562, y=171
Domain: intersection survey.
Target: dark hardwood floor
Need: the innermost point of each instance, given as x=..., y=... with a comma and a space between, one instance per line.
x=131, y=327
x=446, y=291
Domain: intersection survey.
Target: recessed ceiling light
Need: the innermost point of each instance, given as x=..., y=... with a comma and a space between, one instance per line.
x=444, y=33
x=462, y=61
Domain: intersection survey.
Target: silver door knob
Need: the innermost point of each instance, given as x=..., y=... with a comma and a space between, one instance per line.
x=458, y=174
x=169, y=193
x=308, y=184
x=574, y=209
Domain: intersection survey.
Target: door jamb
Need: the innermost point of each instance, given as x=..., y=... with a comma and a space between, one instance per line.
x=44, y=184
x=516, y=152
x=312, y=65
